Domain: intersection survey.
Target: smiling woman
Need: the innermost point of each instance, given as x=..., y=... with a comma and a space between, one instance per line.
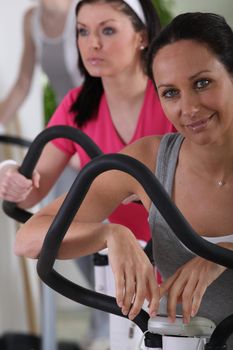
x=196, y=98
x=192, y=67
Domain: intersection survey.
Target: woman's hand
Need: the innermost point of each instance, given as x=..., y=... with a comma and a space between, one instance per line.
x=15, y=187
x=188, y=285
x=134, y=275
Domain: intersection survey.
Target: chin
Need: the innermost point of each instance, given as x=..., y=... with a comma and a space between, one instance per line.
x=203, y=139
x=198, y=138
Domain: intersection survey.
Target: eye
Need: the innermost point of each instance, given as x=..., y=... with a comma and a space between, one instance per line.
x=202, y=83
x=170, y=93
x=82, y=31
x=108, y=30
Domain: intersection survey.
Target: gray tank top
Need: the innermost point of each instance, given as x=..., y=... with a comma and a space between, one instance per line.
x=58, y=56
x=170, y=253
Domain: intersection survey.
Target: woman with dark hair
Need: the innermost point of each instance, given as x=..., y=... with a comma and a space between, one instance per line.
x=191, y=63
x=115, y=105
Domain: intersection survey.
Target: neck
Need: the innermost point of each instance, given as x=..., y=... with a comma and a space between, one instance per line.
x=125, y=88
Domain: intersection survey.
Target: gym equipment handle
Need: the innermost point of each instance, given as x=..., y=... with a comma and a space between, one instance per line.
x=70, y=206
x=34, y=153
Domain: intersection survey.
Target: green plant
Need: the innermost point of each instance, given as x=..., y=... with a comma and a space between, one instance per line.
x=164, y=13
x=49, y=101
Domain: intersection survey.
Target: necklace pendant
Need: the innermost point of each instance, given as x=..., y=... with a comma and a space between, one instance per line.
x=221, y=183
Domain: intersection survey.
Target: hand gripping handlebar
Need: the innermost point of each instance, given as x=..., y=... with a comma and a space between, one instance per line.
x=34, y=153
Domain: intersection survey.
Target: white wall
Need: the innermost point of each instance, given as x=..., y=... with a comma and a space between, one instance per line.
x=11, y=45
x=222, y=7
x=13, y=296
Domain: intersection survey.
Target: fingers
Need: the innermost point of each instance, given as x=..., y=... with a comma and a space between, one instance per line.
x=134, y=275
x=119, y=286
x=187, y=299
x=186, y=289
x=14, y=187
x=132, y=290
x=197, y=298
x=166, y=285
x=154, y=298
x=173, y=297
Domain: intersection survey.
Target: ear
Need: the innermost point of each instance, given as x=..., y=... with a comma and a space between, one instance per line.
x=143, y=41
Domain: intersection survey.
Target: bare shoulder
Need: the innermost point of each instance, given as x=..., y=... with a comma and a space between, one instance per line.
x=145, y=150
x=28, y=19
x=28, y=14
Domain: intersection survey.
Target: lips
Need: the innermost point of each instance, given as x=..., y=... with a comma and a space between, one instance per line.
x=199, y=124
x=94, y=60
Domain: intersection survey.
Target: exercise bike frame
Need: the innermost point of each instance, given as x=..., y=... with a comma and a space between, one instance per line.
x=69, y=208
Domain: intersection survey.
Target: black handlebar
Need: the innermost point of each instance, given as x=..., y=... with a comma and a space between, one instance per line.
x=159, y=197
x=72, y=202
x=71, y=205
x=74, y=292
x=34, y=153
x=14, y=140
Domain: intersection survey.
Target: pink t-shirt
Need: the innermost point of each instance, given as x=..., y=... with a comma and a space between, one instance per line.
x=151, y=121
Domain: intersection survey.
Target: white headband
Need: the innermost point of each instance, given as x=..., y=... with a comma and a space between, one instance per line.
x=135, y=5
x=137, y=8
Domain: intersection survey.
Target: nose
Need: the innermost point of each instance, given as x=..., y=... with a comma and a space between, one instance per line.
x=95, y=42
x=190, y=105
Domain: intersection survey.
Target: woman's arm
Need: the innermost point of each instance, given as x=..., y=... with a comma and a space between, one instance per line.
x=106, y=192
x=19, y=91
x=133, y=272
x=189, y=283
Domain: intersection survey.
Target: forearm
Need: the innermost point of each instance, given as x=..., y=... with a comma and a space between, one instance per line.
x=33, y=198
x=227, y=245
x=81, y=238
x=9, y=107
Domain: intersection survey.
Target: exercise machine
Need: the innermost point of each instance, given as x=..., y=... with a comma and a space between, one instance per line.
x=104, y=281
x=155, y=328
x=48, y=339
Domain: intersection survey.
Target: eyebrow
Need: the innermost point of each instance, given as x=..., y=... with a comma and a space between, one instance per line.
x=198, y=73
x=101, y=23
x=190, y=78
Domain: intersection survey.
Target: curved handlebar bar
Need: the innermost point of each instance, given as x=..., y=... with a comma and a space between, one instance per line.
x=34, y=153
x=22, y=216
x=73, y=201
x=15, y=140
x=70, y=206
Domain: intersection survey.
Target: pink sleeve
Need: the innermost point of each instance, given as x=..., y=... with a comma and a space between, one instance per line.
x=63, y=116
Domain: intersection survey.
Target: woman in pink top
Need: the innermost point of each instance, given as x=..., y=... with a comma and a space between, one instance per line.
x=116, y=105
